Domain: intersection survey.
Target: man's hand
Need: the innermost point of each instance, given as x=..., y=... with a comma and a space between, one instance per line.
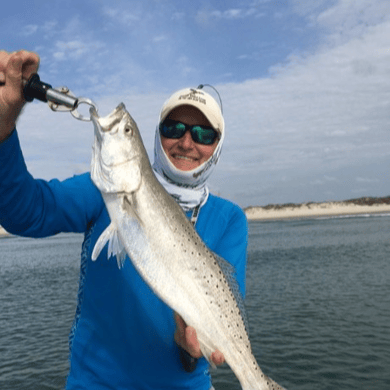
x=13, y=68
x=185, y=336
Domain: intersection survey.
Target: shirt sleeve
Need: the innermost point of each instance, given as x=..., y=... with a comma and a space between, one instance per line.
x=38, y=208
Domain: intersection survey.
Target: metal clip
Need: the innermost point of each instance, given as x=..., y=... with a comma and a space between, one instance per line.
x=59, y=99
x=72, y=108
x=79, y=116
x=64, y=92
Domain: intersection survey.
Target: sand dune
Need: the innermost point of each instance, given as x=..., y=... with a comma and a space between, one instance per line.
x=3, y=232
x=308, y=210
x=349, y=207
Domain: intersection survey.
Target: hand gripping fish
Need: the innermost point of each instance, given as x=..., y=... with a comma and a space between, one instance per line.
x=151, y=228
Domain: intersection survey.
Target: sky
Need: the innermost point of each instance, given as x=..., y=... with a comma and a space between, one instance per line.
x=305, y=86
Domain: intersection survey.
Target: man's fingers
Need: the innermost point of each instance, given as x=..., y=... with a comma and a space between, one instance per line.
x=21, y=65
x=30, y=64
x=13, y=78
x=217, y=358
x=192, y=342
x=186, y=337
x=13, y=68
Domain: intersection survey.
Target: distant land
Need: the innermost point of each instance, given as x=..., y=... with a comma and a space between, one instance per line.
x=3, y=233
x=364, y=205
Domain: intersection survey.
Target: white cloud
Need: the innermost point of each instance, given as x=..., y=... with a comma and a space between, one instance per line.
x=29, y=30
x=325, y=112
x=316, y=126
x=121, y=16
x=367, y=180
x=70, y=49
x=208, y=14
x=160, y=38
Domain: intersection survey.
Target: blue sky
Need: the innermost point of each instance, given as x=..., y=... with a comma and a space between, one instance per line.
x=305, y=86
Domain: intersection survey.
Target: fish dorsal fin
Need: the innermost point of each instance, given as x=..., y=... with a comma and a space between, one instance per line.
x=115, y=247
x=229, y=272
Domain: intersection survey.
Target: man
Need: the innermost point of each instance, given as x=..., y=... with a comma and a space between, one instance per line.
x=123, y=336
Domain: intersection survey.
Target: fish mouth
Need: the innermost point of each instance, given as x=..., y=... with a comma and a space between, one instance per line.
x=105, y=124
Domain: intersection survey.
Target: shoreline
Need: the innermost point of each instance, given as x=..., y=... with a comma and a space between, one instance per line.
x=274, y=212
x=315, y=210
x=4, y=233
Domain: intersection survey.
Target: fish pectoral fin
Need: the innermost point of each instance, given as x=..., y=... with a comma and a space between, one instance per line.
x=115, y=247
x=207, y=351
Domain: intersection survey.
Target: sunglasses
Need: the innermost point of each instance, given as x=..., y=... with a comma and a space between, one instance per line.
x=200, y=134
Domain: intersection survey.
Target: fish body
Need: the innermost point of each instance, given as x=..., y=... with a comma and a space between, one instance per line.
x=151, y=228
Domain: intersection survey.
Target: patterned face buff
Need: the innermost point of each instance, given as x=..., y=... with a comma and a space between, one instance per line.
x=188, y=187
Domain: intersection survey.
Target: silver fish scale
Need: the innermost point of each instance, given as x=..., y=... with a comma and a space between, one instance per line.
x=229, y=271
x=218, y=280
x=219, y=286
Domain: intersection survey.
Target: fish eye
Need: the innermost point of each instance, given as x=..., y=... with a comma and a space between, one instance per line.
x=129, y=131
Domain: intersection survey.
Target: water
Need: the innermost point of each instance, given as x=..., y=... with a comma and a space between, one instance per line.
x=38, y=288
x=318, y=305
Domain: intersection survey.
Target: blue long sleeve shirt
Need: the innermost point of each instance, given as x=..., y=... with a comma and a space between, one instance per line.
x=122, y=335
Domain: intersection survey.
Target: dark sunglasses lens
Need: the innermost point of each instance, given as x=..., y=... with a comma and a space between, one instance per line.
x=200, y=134
x=172, y=129
x=203, y=135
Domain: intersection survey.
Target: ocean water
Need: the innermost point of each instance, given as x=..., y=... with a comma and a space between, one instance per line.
x=318, y=305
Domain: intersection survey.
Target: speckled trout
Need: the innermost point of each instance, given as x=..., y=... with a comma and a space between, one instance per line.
x=151, y=228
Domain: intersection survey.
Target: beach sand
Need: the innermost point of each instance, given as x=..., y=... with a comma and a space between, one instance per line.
x=3, y=233
x=313, y=210
x=310, y=210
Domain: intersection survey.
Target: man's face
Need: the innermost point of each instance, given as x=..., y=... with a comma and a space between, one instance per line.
x=184, y=153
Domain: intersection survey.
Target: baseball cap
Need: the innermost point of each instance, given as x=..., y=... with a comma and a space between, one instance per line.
x=199, y=99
